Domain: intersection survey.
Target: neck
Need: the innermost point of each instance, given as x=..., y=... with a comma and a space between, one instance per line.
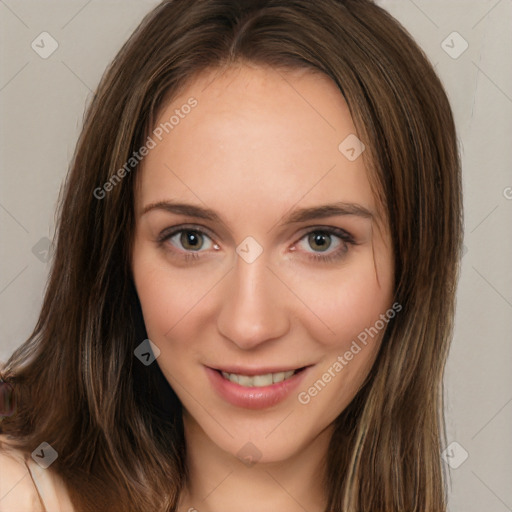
x=219, y=481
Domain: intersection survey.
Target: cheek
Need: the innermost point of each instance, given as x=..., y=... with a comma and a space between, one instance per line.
x=359, y=303
x=352, y=304
x=343, y=303
x=167, y=303
x=352, y=308
x=168, y=297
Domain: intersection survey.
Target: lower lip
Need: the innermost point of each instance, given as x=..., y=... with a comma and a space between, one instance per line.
x=254, y=397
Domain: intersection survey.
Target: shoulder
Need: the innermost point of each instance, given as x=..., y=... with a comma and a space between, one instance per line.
x=26, y=487
x=17, y=490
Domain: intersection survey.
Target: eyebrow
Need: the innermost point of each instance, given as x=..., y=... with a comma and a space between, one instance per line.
x=295, y=216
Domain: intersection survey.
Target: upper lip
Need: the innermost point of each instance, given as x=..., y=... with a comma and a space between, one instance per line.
x=262, y=370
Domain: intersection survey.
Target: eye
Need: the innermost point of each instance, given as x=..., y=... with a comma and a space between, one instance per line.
x=191, y=240
x=327, y=243
x=187, y=241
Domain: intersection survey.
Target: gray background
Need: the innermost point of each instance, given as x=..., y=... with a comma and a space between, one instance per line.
x=42, y=103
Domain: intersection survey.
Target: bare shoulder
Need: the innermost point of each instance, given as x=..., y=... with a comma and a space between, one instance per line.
x=17, y=489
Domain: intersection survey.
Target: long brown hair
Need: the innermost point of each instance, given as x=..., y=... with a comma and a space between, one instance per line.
x=116, y=423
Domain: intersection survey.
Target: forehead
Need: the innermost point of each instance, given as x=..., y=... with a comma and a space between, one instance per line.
x=256, y=136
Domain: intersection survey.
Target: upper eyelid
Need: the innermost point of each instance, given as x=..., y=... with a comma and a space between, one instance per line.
x=169, y=232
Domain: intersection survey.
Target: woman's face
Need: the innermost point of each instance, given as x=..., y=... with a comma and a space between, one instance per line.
x=259, y=249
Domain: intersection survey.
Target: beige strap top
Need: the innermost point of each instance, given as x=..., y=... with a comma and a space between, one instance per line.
x=27, y=487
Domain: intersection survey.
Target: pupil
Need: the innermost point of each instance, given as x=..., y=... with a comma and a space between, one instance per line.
x=190, y=240
x=320, y=239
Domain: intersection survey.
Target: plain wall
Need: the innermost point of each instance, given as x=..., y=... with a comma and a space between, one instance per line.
x=41, y=107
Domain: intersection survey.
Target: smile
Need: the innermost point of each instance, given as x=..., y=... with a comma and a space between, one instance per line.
x=258, y=381
x=261, y=389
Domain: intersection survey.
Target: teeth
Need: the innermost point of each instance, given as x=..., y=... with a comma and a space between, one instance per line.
x=258, y=381
x=278, y=377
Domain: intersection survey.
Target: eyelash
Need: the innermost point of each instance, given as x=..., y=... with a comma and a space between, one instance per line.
x=346, y=238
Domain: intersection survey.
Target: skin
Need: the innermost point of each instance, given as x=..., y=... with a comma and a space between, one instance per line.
x=259, y=144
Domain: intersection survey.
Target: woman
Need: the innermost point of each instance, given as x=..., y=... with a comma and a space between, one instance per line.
x=252, y=294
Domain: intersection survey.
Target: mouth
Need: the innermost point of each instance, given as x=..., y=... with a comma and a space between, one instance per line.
x=256, y=388
x=258, y=378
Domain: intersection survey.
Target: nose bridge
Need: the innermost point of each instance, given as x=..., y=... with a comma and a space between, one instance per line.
x=253, y=309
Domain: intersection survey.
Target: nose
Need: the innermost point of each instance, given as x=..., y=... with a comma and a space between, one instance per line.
x=254, y=308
